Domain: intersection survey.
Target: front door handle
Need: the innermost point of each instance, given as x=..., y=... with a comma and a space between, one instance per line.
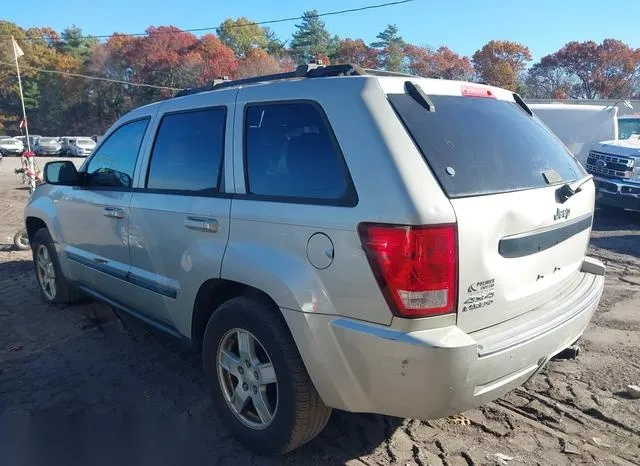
x=205, y=224
x=113, y=212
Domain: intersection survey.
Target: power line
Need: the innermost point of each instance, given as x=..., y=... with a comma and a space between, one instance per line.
x=257, y=23
x=96, y=78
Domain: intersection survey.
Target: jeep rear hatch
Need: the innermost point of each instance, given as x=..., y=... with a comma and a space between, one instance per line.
x=520, y=241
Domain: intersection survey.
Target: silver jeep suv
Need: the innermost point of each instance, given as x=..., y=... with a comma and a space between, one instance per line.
x=332, y=238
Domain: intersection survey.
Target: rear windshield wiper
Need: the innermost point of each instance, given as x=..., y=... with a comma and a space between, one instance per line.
x=567, y=190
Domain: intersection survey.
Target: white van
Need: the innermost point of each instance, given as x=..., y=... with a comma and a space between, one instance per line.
x=608, y=146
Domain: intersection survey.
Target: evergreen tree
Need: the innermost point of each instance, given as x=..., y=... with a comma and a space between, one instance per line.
x=391, y=48
x=311, y=40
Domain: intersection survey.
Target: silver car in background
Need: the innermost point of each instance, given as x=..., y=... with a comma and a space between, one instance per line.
x=10, y=146
x=82, y=147
x=48, y=146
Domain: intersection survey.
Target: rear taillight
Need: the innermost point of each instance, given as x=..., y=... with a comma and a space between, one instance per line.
x=416, y=266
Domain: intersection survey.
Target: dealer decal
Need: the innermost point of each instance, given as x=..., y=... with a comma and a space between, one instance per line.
x=482, y=286
x=481, y=295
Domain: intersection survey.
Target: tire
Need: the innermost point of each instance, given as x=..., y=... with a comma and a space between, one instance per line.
x=299, y=414
x=63, y=291
x=21, y=240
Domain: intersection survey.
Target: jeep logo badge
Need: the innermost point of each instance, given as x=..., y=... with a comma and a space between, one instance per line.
x=561, y=213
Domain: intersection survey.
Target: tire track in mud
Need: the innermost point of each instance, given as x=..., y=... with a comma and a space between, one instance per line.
x=574, y=412
x=529, y=418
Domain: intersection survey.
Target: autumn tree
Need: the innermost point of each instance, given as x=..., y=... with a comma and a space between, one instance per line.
x=357, y=52
x=391, y=48
x=46, y=95
x=441, y=63
x=257, y=62
x=501, y=63
x=311, y=40
x=241, y=35
x=546, y=79
x=619, y=69
x=215, y=59
x=587, y=70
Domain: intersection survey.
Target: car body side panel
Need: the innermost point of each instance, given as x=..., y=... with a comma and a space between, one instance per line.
x=169, y=260
x=268, y=242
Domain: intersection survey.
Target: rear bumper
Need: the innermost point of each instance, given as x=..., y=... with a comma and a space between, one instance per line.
x=616, y=193
x=363, y=367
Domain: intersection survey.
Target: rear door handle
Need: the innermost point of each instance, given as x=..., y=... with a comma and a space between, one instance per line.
x=205, y=224
x=113, y=212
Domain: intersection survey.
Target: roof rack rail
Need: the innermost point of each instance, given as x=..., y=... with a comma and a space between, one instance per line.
x=374, y=72
x=311, y=70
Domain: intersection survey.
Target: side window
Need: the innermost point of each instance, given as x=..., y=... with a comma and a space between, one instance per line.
x=290, y=153
x=188, y=152
x=114, y=162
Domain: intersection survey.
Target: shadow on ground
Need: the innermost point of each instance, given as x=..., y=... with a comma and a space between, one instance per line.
x=13, y=267
x=607, y=219
x=85, y=363
x=625, y=244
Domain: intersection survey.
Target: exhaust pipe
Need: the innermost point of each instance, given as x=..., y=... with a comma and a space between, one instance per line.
x=570, y=352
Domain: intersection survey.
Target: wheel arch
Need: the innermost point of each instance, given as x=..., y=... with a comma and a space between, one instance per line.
x=212, y=293
x=33, y=224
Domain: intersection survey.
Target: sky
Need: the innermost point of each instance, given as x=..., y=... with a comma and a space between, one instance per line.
x=462, y=25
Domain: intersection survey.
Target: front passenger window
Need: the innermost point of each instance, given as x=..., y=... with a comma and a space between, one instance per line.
x=113, y=164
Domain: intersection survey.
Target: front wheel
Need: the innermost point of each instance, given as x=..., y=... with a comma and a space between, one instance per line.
x=54, y=287
x=260, y=387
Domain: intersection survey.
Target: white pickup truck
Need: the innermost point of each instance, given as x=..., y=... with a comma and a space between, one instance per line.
x=606, y=144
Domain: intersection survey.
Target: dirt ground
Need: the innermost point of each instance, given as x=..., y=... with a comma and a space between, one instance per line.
x=88, y=364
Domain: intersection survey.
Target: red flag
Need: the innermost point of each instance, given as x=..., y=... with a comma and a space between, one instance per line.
x=23, y=124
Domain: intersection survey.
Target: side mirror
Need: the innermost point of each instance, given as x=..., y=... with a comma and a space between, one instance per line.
x=62, y=173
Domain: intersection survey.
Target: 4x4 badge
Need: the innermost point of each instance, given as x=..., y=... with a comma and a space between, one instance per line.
x=561, y=213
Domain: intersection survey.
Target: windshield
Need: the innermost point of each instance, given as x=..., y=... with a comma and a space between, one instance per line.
x=627, y=127
x=483, y=146
x=85, y=142
x=47, y=140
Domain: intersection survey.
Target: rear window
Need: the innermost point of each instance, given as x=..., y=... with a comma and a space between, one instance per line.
x=291, y=155
x=479, y=146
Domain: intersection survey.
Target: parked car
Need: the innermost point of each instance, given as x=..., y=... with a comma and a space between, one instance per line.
x=67, y=143
x=82, y=147
x=615, y=166
x=48, y=146
x=386, y=244
x=33, y=139
x=10, y=146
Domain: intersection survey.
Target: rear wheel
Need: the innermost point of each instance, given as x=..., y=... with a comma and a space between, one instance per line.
x=259, y=384
x=54, y=287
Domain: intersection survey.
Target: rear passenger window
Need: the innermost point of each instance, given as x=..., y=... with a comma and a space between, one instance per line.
x=291, y=155
x=188, y=152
